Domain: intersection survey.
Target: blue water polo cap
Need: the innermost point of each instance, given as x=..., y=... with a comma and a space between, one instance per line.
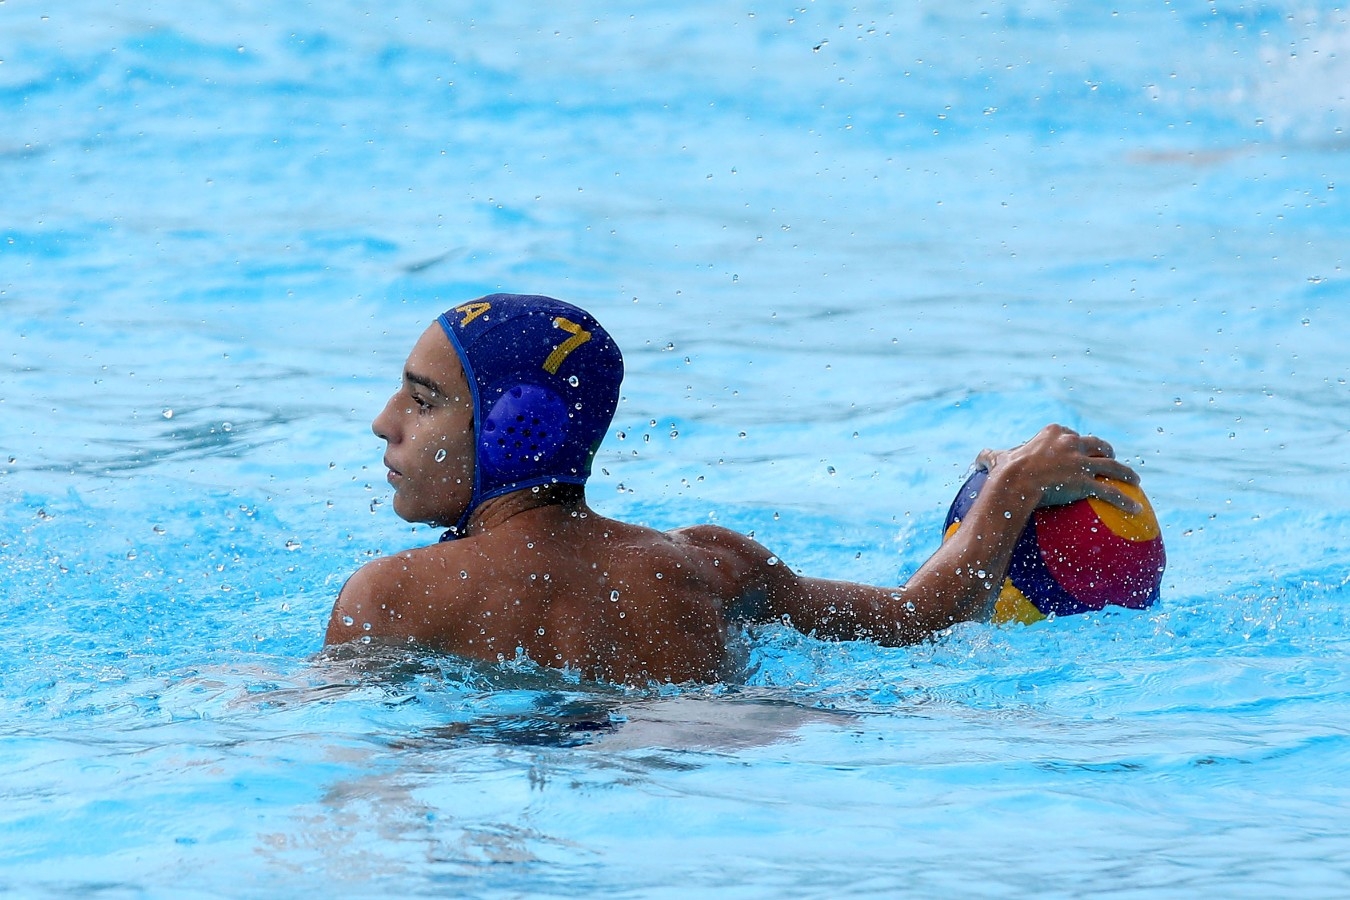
x=545, y=382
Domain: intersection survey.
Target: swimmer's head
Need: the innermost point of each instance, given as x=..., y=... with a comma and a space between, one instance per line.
x=544, y=378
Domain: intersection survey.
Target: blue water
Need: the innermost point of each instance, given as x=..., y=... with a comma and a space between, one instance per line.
x=844, y=247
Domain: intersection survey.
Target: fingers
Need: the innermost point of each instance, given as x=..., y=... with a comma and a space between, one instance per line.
x=1095, y=446
x=1116, y=497
x=1106, y=467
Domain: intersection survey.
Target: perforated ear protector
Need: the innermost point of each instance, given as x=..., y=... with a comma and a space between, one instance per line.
x=522, y=432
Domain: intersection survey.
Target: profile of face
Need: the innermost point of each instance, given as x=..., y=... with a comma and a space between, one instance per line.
x=427, y=426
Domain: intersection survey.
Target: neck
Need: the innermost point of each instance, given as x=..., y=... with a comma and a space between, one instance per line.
x=499, y=510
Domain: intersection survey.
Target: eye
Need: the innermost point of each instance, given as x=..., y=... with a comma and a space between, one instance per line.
x=423, y=404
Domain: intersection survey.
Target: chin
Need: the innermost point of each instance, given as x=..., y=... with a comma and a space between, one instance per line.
x=401, y=510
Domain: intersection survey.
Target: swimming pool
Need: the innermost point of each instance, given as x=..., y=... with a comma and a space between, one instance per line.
x=844, y=247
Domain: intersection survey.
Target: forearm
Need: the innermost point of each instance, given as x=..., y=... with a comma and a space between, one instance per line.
x=959, y=582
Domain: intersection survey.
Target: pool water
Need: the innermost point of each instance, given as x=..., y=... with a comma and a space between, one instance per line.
x=844, y=247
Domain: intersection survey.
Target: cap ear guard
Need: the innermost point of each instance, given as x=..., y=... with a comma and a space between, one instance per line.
x=522, y=433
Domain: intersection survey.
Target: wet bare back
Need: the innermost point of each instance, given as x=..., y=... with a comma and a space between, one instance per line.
x=569, y=588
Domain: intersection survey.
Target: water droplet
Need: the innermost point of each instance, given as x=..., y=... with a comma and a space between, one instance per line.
x=365, y=626
x=541, y=631
x=659, y=575
x=621, y=436
x=772, y=560
x=293, y=544
x=158, y=529
x=440, y=455
x=348, y=620
x=574, y=381
x=131, y=554
x=614, y=596
x=463, y=574
x=168, y=414
x=227, y=426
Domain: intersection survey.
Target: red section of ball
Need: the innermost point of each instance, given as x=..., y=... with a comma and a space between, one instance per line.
x=1093, y=563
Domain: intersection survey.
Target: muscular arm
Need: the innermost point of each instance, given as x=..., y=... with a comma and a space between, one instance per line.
x=961, y=580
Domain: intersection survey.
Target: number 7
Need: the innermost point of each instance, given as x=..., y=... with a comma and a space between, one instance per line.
x=563, y=350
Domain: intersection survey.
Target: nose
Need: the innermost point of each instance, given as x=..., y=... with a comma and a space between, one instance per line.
x=384, y=424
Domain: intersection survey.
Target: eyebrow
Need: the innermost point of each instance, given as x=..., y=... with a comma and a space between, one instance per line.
x=425, y=382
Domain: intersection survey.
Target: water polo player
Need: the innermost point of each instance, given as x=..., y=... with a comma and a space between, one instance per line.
x=503, y=403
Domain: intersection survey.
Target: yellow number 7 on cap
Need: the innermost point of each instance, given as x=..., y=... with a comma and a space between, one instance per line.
x=561, y=352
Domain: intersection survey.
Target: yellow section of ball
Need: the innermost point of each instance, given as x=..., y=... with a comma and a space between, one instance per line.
x=1140, y=526
x=1013, y=606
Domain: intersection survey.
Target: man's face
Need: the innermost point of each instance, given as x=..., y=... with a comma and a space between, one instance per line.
x=428, y=427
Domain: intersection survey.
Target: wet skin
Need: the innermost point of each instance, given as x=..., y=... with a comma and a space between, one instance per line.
x=544, y=574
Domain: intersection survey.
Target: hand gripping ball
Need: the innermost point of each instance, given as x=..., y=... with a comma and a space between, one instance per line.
x=1075, y=558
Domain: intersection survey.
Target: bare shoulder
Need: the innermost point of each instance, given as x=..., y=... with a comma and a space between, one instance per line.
x=749, y=571
x=722, y=542
x=373, y=599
